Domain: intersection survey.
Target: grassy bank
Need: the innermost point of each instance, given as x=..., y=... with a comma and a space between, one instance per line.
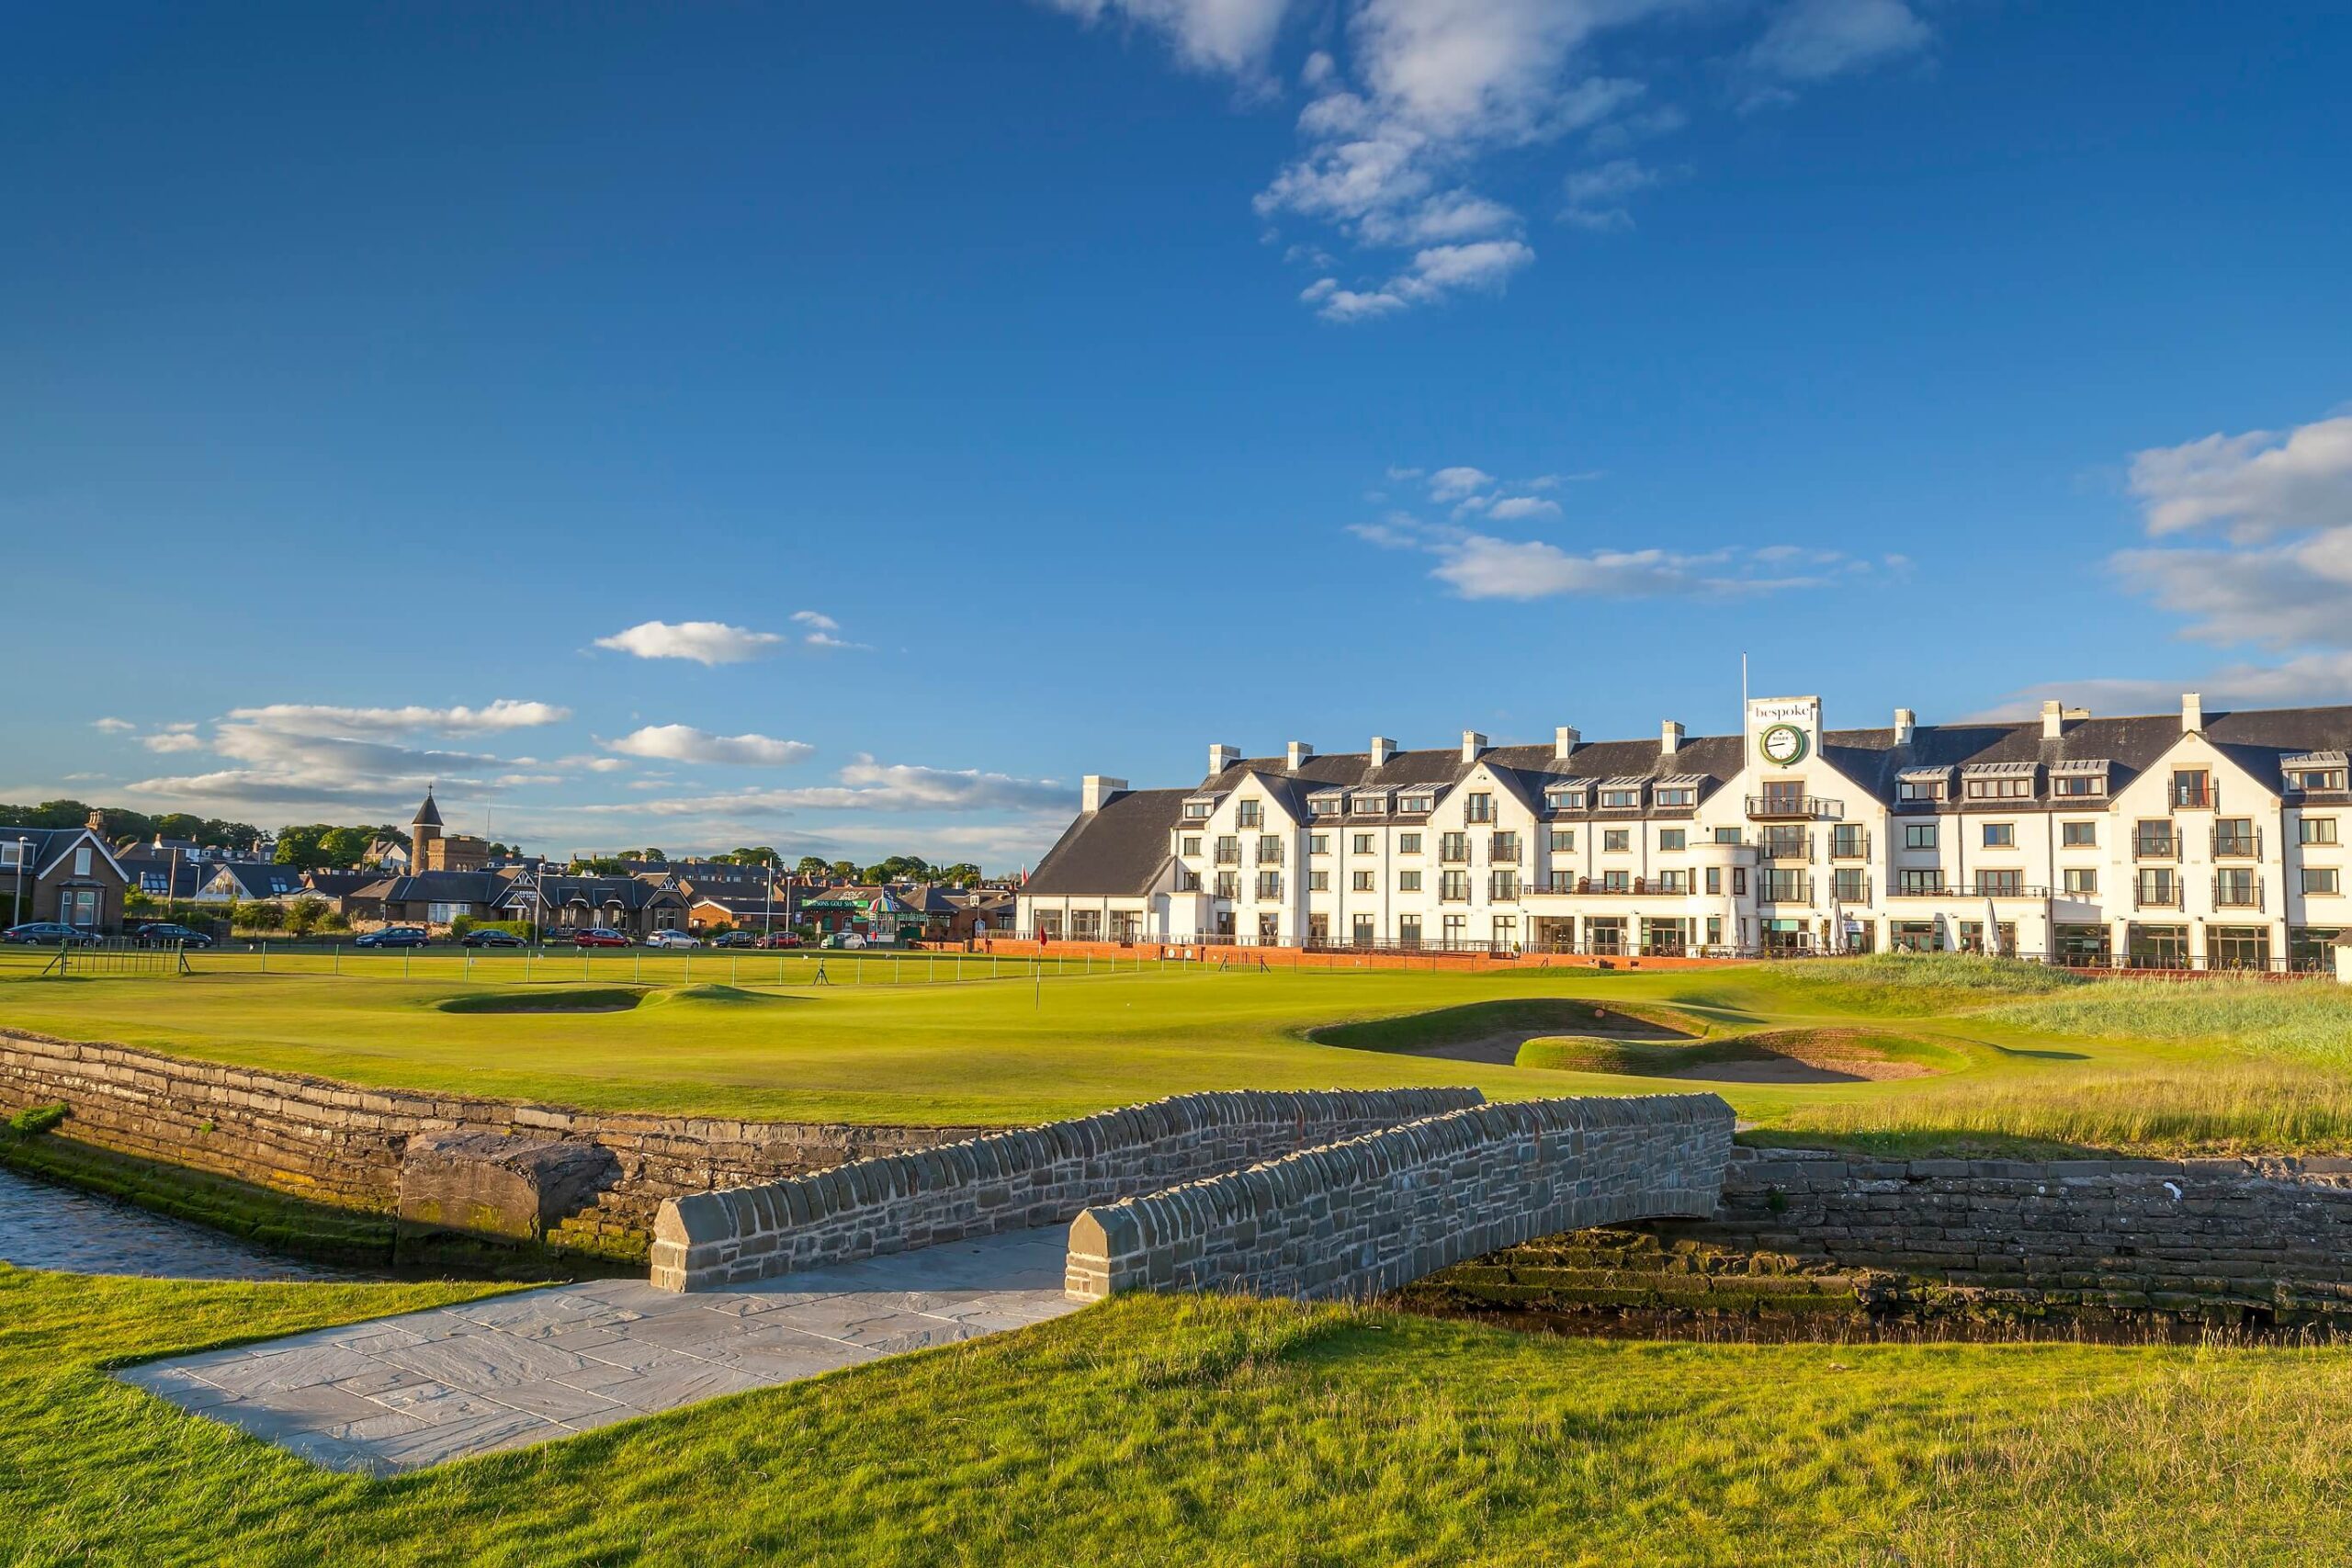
x=1207, y=1431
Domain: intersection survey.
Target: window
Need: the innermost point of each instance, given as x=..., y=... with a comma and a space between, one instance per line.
x=2316, y=778
x=1788, y=844
x=1361, y=881
x=1454, y=846
x=1408, y=882
x=2321, y=879
x=2236, y=888
x=1323, y=806
x=2155, y=889
x=1408, y=931
x=10, y=853
x=1918, y=835
x=1457, y=929
x=1617, y=840
x=2000, y=835
x=1739, y=881
x=2234, y=838
x=1409, y=844
x=1318, y=928
x=1502, y=849
x=2154, y=841
x=2192, y=789
x=1415, y=802
x=1616, y=881
x=1318, y=843
x=2079, y=835
x=1361, y=842
x=1454, y=886
x=1565, y=799
x=2078, y=785
x=1922, y=881
x=2002, y=786
x=1506, y=930
x=1673, y=882
x=1621, y=800
x=1851, y=883
x=1250, y=814
x=1714, y=931
x=1782, y=885
x=1228, y=885
x=1270, y=885
x=1196, y=809
x=1086, y=924
x=1564, y=840
x=1671, y=838
x=1480, y=807
x=1270, y=849
x=1228, y=849
x=1190, y=845
x=1318, y=882
x=1187, y=880
x=1727, y=835
x=1848, y=840
x=1363, y=935
x=2000, y=884
x=1502, y=886
x=1714, y=879
x=82, y=861
x=2315, y=830
x=1920, y=789
x=1679, y=795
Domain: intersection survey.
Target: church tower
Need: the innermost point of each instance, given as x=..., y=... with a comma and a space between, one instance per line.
x=424, y=836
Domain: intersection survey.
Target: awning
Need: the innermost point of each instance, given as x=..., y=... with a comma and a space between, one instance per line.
x=2000, y=770
x=1925, y=775
x=1681, y=781
x=2314, y=759
x=2083, y=765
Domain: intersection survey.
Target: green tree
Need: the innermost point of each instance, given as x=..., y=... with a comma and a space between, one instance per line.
x=342, y=848
x=812, y=867
x=299, y=846
x=258, y=914
x=306, y=914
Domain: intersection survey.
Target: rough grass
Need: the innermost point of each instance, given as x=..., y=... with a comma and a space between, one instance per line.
x=2309, y=1020
x=1917, y=982
x=1203, y=1431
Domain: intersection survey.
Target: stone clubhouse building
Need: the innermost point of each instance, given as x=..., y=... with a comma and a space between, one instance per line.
x=2175, y=841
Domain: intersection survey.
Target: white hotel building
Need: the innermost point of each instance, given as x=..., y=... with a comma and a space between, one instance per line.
x=2173, y=841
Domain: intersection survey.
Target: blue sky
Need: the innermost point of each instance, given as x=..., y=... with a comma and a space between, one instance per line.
x=1029, y=389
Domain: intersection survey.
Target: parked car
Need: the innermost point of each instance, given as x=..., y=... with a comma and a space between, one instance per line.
x=673, y=938
x=490, y=936
x=163, y=933
x=48, y=934
x=394, y=936
x=598, y=936
x=849, y=941
x=779, y=939
x=735, y=938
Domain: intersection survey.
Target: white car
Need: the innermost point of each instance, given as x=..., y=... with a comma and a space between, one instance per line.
x=673, y=938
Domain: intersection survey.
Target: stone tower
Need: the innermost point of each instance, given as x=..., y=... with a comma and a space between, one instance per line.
x=425, y=835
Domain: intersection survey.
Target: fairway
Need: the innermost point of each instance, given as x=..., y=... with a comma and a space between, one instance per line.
x=1905, y=1051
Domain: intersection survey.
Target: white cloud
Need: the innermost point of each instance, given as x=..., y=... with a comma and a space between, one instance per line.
x=866, y=785
x=2281, y=572
x=2306, y=680
x=1455, y=483
x=502, y=715
x=172, y=740
x=823, y=629
x=1231, y=36
x=113, y=725
x=1484, y=566
x=1812, y=41
x=1434, y=273
x=704, y=642
x=1595, y=197
x=683, y=743
x=1510, y=508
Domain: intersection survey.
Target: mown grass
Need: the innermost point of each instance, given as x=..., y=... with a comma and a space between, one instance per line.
x=1207, y=1431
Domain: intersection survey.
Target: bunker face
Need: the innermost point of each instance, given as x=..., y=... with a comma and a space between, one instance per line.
x=569, y=1000
x=1493, y=1033
x=1772, y=1056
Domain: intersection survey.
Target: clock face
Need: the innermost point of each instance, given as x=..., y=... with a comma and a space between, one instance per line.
x=1783, y=745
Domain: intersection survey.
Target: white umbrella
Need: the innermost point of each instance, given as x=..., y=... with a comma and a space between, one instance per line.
x=1837, y=940
x=1992, y=928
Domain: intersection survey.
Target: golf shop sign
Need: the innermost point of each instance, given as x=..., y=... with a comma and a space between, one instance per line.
x=1784, y=731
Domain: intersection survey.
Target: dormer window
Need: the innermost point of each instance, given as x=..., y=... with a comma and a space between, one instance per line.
x=1416, y=802
x=1621, y=800
x=1197, y=809
x=1480, y=807
x=1250, y=814
x=2310, y=771
x=2317, y=779
x=1324, y=804
x=1678, y=795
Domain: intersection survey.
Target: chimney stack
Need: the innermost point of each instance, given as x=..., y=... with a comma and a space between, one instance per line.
x=2054, y=720
x=1382, y=749
x=1299, y=752
x=2192, y=713
x=1094, y=789
x=1564, y=741
x=1906, y=721
x=1472, y=744
x=1222, y=757
x=1670, y=738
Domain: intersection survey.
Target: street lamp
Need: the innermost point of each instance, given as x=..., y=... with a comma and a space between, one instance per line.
x=23, y=847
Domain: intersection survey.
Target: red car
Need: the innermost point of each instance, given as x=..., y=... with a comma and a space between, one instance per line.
x=598, y=936
x=778, y=939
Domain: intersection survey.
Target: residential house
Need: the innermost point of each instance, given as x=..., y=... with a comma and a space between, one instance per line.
x=63, y=874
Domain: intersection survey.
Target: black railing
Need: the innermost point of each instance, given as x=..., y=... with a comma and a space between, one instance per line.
x=1764, y=807
x=2146, y=848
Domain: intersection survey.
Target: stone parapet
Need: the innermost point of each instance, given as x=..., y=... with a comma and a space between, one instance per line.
x=1367, y=1215
x=1040, y=1176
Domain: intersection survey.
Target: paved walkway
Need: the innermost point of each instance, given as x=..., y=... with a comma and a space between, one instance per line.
x=401, y=1393
x=44, y=1227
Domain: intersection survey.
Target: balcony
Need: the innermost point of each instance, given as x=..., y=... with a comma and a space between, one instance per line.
x=2156, y=897
x=1504, y=892
x=1631, y=888
x=2246, y=845
x=1229, y=857
x=2146, y=848
x=1503, y=850
x=1978, y=890
x=1275, y=858
x=2232, y=893
x=1777, y=845
x=1854, y=846
x=1793, y=807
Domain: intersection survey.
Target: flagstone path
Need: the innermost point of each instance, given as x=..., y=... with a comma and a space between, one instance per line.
x=401, y=1393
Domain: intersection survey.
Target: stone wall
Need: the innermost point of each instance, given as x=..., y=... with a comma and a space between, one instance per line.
x=2266, y=1238
x=1041, y=1176
x=346, y=1146
x=1374, y=1212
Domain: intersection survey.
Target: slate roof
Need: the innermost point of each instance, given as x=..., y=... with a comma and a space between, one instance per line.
x=427, y=815
x=44, y=847
x=259, y=879
x=1120, y=849
x=483, y=887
